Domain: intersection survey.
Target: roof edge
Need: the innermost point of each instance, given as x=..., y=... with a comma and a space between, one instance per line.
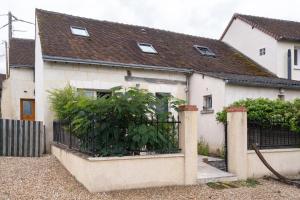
x=239, y=16
x=114, y=64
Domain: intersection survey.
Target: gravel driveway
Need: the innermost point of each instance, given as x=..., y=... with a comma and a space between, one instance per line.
x=45, y=178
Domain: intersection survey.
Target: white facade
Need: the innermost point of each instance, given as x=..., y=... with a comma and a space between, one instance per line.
x=18, y=86
x=223, y=95
x=249, y=40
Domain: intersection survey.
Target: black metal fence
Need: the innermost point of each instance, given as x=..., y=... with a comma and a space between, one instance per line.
x=272, y=136
x=87, y=143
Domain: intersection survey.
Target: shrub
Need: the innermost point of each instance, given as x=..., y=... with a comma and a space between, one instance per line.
x=203, y=148
x=266, y=112
x=122, y=123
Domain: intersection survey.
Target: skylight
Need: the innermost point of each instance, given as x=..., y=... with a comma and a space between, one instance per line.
x=147, y=48
x=79, y=31
x=204, y=50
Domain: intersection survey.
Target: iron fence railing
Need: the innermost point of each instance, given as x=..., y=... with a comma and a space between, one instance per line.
x=63, y=134
x=272, y=136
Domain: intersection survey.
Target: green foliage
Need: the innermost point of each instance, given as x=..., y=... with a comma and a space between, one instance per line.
x=203, y=148
x=123, y=122
x=266, y=111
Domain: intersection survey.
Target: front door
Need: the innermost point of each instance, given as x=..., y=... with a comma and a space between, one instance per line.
x=27, y=109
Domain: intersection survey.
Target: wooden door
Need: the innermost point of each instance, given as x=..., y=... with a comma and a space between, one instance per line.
x=27, y=109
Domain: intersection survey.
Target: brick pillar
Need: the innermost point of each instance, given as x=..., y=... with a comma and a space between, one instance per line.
x=237, y=141
x=188, y=142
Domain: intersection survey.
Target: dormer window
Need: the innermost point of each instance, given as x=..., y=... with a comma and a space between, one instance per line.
x=205, y=51
x=79, y=31
x=146, y=47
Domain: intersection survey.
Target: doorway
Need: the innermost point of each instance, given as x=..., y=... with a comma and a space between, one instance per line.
x=27, y=109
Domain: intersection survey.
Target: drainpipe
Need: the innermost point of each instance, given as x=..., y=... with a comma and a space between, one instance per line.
x=187, y=89
x=289, y=65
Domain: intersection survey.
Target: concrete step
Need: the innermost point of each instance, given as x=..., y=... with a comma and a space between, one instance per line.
x=227, y=178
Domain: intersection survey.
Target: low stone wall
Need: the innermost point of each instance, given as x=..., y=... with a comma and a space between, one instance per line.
x=285, y=161
x=118, y=173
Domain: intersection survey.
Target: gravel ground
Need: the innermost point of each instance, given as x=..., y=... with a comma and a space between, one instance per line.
x=46, y=178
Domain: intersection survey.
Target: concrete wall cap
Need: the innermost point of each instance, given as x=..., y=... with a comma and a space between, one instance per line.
x=236, y=109
x=188, y=108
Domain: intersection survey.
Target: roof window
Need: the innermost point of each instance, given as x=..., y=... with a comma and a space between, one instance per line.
x=146, y=48
x=79, y=31
x=204, y=51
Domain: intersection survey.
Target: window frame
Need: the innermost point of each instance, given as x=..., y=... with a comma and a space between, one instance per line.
x=296, y=55
x=94, y=91
x=79, y=28
x=207, y=107
x=140, y=44
x=209, y=54
x=163, y=95
x=262, y=51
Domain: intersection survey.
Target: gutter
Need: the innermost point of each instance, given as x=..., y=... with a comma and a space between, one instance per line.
x=114, y=64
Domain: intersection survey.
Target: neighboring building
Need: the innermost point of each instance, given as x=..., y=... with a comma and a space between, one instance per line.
x=18, y=89
x=267, y=41
x=95, y=56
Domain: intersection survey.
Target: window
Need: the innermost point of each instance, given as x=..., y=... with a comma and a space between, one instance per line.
x=146, y=48
x=79, y=31
x=164, y=103
x=96, y=93
x=281, y=97
x=262, y=51
x=207, y=102
x=204, y=51
x=103, y=94
x=296, y=57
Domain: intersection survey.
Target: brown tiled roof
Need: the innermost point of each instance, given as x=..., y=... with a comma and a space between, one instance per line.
x=117, y=43
x=21, y=52
x=276, y=28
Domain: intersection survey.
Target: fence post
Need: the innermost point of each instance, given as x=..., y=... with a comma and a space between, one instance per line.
x=188, y=141
x=237, y=141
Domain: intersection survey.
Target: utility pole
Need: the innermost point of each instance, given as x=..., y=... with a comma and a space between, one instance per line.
x=7, y=61
x=9, y=26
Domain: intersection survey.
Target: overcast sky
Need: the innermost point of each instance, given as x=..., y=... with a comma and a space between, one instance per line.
x=195, y=17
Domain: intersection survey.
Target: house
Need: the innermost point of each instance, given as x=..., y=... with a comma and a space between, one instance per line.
x=272, y=43
x=94, y=56
x=18, y=89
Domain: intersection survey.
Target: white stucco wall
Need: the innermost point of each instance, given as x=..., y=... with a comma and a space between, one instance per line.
x=248, y=41
x=19, y=85
x=223, y=95
x=57, y=75
x=282, y=49
x=235, y=92
x=208, y=128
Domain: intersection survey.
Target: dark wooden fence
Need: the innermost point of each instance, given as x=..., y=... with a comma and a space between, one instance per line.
x=22, y=138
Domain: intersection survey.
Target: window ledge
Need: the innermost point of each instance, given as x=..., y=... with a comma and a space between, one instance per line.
x=210, y=111
x=297, y=68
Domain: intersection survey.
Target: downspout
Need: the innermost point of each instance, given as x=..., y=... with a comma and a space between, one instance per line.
x=187, y=89
x=289, y=69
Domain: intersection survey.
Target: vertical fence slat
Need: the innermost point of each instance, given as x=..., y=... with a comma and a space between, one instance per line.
x=30, y=138
x=15, y=139
x=26, y=139
x=1, y=137
x=4, y=137
x=21, y=143
x=9, y=138
x=36, y=144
